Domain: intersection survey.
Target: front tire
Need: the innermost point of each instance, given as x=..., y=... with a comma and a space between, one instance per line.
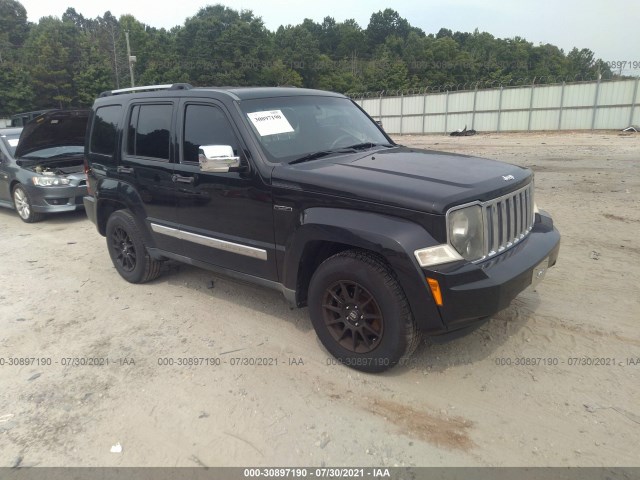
x=24, y=207
x=128, y=250
x=360, y=312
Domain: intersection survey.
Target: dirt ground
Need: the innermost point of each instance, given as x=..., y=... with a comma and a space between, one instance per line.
x=574, y=402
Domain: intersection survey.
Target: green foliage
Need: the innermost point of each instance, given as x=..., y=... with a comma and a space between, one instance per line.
x=68, y=61
x=15, y=90
x=13, y=24
x=384, y=24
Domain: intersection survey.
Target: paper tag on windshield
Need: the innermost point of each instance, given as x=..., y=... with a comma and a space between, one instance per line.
x=270, y=123
x=13, y=142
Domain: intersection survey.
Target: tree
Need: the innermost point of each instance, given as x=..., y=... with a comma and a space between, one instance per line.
x=298, y=47
x=385, y=23
x=581, y=64
x=387, y=73
x=350, y=40
x=444, y=33
x=279, y=74
x=220, y=46
x=51, y=51
x=13, y=24
x=15, y=89
x=16, y=93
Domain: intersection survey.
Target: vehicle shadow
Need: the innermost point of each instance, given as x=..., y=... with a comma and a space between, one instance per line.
x=435, y=355
x=432, y=355
x=262, y=300
x=62, y=218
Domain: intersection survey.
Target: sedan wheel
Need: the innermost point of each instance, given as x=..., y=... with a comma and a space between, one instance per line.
x=23, y=206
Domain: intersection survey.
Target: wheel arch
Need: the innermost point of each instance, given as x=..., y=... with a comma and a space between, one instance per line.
x=114, y=196
x=324, y=232
x=13, y=184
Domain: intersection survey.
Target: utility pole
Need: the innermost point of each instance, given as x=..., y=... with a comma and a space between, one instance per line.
x=132, y=59
x=115, y=55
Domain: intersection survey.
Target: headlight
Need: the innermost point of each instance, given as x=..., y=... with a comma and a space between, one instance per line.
x=50, y=181
x=466, y=232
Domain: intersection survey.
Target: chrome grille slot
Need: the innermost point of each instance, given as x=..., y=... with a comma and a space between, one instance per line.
x=507, y=220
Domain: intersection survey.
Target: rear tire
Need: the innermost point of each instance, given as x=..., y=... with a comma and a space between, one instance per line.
x=23, y=205
x=360, y=312
x=128, y=250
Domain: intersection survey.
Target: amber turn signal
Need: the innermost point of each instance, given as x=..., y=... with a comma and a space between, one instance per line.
x=435, y=290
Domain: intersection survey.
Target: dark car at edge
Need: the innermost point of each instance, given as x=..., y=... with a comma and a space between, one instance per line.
x=301, y=191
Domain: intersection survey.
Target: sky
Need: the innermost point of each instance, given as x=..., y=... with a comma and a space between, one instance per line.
x=609, y=28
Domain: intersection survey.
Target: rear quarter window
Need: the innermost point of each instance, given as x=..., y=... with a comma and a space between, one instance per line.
x=105, y=130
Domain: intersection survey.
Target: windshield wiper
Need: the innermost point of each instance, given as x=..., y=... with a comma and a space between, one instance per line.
x=348, y=149
x=364, y=145
x=320, y=154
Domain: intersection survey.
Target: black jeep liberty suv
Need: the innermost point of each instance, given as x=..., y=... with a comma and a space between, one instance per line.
x=300, y=190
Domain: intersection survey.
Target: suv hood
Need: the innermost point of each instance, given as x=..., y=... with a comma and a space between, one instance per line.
x=56, y=128
x=423, y=180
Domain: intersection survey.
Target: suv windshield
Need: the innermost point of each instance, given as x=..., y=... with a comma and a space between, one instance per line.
x=290, y=128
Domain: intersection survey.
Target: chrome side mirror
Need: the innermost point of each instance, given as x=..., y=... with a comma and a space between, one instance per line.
x=217, y=159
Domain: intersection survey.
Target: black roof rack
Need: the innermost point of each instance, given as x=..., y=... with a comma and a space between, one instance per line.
x=147, y=88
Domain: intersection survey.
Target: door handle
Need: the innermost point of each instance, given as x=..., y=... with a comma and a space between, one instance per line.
x=181, y=179
x=122, y=169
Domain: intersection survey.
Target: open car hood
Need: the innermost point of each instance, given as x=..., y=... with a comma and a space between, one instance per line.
x=56, y=128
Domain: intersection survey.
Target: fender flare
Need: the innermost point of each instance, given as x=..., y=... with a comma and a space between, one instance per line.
x=118, y=192
x=394, y=239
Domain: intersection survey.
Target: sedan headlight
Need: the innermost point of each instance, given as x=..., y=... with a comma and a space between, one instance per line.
x=50, y=181
x=466, y=232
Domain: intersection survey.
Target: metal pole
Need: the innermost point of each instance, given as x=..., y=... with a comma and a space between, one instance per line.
x=126, y=34
x=115, y=56
x=380, y=106
x=424, y=110
x=533, y=86
x=473, y=115
x=595, y=105
x=401, y=110
x=633, y=101
x=499, y=108
x=446, y=112
x=561, y=106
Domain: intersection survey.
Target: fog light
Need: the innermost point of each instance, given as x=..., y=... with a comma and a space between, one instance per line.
x=435, y=290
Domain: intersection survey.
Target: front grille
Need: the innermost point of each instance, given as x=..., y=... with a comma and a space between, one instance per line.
x=507, y=220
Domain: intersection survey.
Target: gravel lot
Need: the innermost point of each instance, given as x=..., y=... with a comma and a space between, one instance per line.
x=575, y=401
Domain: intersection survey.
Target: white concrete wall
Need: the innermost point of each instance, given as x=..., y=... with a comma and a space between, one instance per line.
x=611, y=104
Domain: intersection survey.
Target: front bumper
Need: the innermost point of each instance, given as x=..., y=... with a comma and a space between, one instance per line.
x=473, y=292
x=57, y=199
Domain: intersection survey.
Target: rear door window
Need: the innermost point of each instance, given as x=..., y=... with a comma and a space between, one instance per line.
x=148, y=134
